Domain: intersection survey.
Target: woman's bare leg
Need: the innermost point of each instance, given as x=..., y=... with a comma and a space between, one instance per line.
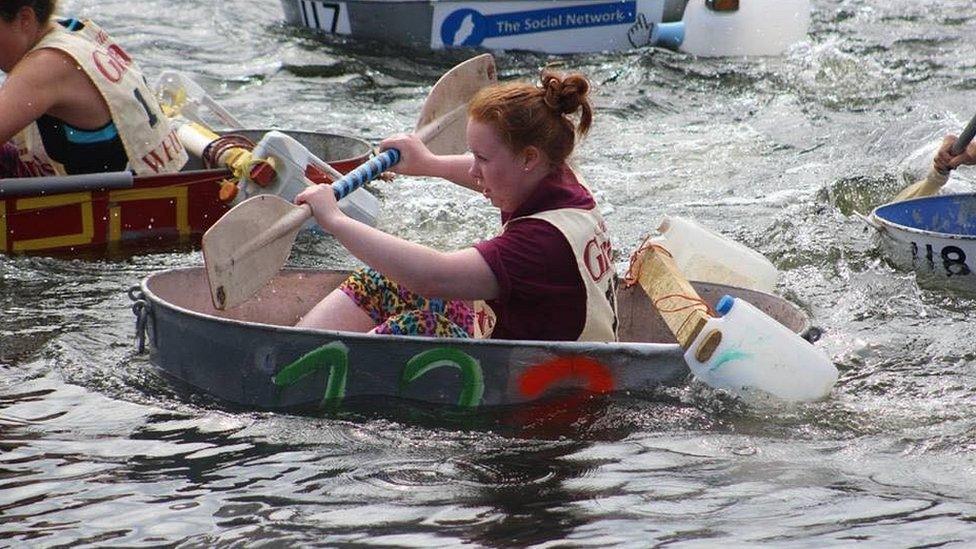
x=337, y=312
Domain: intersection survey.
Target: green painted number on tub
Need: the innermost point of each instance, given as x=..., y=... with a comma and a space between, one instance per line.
x=334, y=356
x=472, y=378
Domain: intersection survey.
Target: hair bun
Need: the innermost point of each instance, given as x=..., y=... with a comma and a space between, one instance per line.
x=566, y=94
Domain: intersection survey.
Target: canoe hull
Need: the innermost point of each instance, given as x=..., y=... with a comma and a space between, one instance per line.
x=231, y=356
x=155, y=210
x=933, y=236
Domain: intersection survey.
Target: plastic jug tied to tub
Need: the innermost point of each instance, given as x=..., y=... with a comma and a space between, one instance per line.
x=748, y=349
x=293, y=159
x=704, y=255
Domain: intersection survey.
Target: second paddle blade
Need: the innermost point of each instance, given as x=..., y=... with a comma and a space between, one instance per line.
x=453, y=91
x=249, y=246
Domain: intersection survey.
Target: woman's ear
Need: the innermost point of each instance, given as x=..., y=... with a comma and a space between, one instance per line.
x=25, y=17
x=531, y=157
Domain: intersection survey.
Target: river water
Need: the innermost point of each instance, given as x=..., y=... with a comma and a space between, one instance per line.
x=96, y=448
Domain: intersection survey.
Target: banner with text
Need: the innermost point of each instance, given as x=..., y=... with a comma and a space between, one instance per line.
x=554, y=27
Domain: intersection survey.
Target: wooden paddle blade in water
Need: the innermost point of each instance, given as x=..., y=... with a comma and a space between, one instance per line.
x=249, y=246
x=926, y=187
x=438, y=120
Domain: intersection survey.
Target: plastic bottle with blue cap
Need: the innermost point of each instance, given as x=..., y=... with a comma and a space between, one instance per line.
x=752, y=350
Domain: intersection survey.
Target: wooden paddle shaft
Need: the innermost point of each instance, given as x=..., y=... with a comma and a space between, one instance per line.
x=282, y=227
x=348, y=183
x=295, y=218
x=670, y=291
x=964, y=138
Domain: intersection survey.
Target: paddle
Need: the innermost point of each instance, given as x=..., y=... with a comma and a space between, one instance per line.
x=249, y=244
x=936, y=179
x=744, y=351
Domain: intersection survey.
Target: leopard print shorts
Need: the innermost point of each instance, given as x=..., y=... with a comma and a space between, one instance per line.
x=397, y=310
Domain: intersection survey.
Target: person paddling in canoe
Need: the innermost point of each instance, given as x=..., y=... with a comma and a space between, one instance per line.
x=547, y=276
x=74, y=102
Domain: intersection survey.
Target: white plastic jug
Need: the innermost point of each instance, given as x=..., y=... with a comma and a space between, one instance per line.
x=756, y=352
x=758, y=27
x=291, y=160
x=707, y=256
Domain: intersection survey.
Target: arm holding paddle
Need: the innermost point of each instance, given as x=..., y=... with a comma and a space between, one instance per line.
x=461, y=274
x=251, y=242
x=417, y=159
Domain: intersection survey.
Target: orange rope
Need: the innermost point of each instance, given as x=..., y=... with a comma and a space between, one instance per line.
x=213, y=151
x=695, y=302
x=633, y=275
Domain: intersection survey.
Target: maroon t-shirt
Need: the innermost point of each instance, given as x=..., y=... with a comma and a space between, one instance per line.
x=541, y=294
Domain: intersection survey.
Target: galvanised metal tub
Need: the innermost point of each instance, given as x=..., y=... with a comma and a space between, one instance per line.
x=253, y=356
x=92, y=211
x=934, y=236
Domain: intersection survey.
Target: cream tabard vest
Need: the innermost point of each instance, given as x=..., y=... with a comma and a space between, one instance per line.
x=146, y=135
x=586, y=233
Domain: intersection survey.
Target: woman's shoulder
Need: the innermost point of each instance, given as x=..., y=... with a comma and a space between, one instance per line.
x=51, y=63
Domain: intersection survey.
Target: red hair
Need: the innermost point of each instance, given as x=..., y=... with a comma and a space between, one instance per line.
x=537, y=114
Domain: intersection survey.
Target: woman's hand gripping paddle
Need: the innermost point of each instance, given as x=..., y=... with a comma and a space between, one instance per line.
x=744, y=351
x=251, y=242
x=936, y=179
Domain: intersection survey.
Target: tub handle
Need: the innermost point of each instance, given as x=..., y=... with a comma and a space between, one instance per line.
x=870, y=221
x=140, y=308
x=812, y=334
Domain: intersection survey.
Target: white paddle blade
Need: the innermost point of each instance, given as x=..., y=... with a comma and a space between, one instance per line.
x=249, y=246
x=747, y=351
x=448, y=100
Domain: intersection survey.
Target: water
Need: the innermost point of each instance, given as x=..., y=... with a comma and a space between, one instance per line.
x=778, y=152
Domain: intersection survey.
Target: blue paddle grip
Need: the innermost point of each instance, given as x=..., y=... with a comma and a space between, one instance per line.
x=367, y=171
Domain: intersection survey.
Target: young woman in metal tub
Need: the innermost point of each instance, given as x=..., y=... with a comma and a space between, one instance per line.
x=548, y=275
x=73, y=101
